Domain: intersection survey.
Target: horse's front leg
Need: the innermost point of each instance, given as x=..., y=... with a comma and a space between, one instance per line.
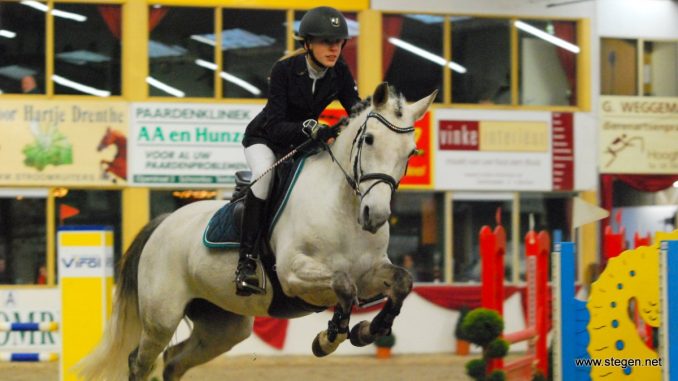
x=327, y=341
x=396, y=283
x=310, y=278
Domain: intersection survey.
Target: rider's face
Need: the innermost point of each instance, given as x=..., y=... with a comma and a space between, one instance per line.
x=326, y=51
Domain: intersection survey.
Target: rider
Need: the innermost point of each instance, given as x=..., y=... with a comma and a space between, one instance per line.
x=301, y=85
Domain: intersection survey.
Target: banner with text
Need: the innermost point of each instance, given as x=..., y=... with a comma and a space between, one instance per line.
x=173, y=144
x=639, y=135
x=508, y=151
x=46, y=143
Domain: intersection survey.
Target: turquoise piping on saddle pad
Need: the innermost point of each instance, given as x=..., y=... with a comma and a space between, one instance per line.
x=287, y=194
x=217, y=245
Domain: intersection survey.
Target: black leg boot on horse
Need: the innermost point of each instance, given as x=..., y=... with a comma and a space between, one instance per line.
x=246, y=278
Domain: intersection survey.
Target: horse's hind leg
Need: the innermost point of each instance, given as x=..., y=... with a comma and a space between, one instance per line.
x=215, y=331
x=327, y=341
x=398, y=283
x=159, y=324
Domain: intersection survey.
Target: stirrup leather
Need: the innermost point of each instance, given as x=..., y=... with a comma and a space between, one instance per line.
x=247, y=278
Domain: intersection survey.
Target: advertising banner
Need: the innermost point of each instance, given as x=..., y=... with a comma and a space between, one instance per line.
x=177, y=145
x=506, y=151
x=639, y=135
x=46, y=143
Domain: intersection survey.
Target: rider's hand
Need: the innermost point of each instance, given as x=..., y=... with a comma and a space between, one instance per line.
x=319, y=131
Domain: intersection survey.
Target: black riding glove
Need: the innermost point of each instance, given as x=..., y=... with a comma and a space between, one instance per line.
x=319, y=131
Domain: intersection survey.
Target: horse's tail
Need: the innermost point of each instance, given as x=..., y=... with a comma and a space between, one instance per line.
x=108, y=361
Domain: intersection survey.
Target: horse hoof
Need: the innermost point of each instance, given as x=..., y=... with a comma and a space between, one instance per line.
x=317, y=349
x=356, y=336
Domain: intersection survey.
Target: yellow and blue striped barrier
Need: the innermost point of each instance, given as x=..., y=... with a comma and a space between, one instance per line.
x=50, y=326
x=28, y=357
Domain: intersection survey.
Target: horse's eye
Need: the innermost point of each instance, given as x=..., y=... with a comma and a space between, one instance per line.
x=369, y=139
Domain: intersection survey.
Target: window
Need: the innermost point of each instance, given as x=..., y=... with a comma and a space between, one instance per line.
x=482, y=49
x=181, y=52
x=409, y=42
x=547, y=62
x=167, y=201
x=22, y=49
x=661, y=68
x=551, y=212
x=251, y=42
x=619, y=67
x=87, y=49
x=416, y=236
x=23, y=245
x=469, y=216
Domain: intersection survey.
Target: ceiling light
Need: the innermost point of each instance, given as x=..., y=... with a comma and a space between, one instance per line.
x=7, y=33
x=63, y=14
x=547, y=37
x=229, y=77
x=165, y=87
x=80, y=87
x=427, y=55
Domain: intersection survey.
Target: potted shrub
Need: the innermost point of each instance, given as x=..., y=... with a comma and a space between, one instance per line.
x=384, y=345
x=484, y=327
x=463, y=345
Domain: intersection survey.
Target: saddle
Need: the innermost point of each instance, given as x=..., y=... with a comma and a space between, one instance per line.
x=224, y=229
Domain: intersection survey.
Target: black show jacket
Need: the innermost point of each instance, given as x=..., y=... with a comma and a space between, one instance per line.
x=290, y=102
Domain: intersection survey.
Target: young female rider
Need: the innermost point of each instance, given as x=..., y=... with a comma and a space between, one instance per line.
x=300, y=88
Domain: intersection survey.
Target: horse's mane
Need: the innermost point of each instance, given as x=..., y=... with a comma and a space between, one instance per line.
x=366, y=103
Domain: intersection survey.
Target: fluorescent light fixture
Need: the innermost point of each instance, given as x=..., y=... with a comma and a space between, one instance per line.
x=547, y=37
x=63, y=14
x=427, y=55
x=675, y=184
x=165, y=87
x=229, y=77
x=7, y=33
x=80, y=87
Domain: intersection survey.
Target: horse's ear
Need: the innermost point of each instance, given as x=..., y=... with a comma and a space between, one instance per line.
x=419, y=107
x=380, y=96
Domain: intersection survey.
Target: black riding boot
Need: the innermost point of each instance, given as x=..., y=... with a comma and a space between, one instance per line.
x=246, y=279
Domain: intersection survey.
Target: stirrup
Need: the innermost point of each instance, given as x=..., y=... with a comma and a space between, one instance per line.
x=242, y=287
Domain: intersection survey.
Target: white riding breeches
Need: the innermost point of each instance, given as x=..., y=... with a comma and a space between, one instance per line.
x=260, y=158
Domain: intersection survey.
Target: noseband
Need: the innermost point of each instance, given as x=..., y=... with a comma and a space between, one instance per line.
x=358, y=175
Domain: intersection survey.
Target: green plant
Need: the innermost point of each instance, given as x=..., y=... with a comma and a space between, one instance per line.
x=497, y=348
x=497, y=375
x=482, y=325
x=476, y=369
x=458, y=333
x=387, y=341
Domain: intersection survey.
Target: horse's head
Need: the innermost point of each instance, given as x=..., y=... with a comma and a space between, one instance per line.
x=106, y=140
x=380, y=152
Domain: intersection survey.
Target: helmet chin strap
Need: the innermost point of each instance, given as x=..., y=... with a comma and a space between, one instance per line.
x=314, y=61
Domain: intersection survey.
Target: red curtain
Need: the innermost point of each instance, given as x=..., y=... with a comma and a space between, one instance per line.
x=565, y=30
x=391, y=27
x=112, y=17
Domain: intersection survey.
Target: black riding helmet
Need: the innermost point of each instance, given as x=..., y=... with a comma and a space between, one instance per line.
x=323, y=22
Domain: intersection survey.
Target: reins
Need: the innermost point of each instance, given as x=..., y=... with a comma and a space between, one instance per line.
x=358, y=175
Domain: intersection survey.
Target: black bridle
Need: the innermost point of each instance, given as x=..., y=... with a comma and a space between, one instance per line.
x=358, y=175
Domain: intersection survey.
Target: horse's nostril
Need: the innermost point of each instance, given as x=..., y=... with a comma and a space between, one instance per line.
x=366, y=213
